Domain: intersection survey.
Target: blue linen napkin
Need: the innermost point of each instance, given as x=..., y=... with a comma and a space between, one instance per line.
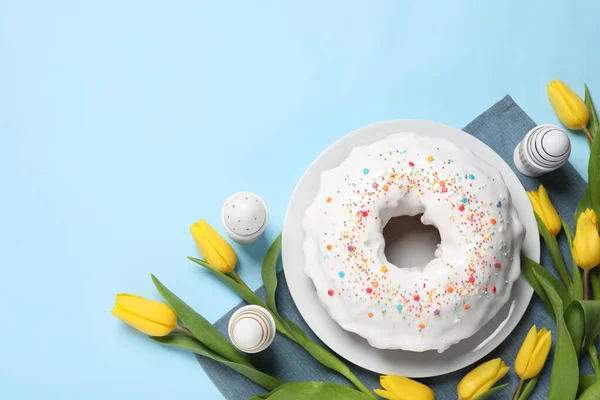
x=501, y=127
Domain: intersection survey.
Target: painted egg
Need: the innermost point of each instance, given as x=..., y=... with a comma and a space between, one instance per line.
x=244, y=216
x=252, y=329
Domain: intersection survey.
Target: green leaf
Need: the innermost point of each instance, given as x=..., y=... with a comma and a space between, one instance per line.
x=203, y=330
x=490, y=392
x=527, y=266
x=188, y=343
x=593, y=125
x=556, y=255
x=565, y=368
x=575, y=320
x=592, y=392
x=594, y=276
x=585, y=381
x=529, y=388
x=583, y=319
x=269, y=272
x=594, y=176
x=586, y=202
x=295, y=328
x=313, y=391
x=246, y=294
x=577, y=280
x=558, y=287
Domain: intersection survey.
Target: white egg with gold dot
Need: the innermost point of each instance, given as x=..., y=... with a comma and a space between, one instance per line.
x=244, y=216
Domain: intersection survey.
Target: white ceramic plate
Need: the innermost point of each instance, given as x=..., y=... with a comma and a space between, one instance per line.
x=353, y=347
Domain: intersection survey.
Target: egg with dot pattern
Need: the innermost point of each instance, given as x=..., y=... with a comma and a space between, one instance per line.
x=244, y=216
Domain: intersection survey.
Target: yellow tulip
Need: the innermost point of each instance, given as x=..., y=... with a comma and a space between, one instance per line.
x=569, y=107
x=401, y=388
x=545, y=210
x=481, y=379
x=215, y=250
x=586, y=245
x=533, y=353
x=150, y=317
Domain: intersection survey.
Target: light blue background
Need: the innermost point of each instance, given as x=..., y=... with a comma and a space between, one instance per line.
x=122, y=122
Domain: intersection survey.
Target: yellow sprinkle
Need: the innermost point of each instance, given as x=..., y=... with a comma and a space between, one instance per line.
x=430, y=158
x=384, y=269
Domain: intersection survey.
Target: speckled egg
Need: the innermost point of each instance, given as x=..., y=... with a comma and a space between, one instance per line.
x=244, y=216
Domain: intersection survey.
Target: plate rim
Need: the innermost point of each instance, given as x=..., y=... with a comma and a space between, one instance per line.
x=386, y=128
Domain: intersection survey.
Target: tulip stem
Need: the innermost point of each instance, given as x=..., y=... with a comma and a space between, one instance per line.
x=239, y=280
x=184, y=330
x=586, y=281
x=518, y=391
x=588, y=134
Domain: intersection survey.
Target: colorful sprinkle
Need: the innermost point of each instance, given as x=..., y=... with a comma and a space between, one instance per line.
x=417, y=297
x=375, y=185
x=450, y=289
x=329, y=199
x=366, y=171
x=499, y=204
x=329, y=247
x=493, y=221
x=471, y=176
x=341, y=274
x=467, y=307
x=421, y=326
x=370, y=315
x=471, y=279
x=461, y=208
x=493, y=289
x=436, y=312
x=385, y=188
x=399, y=307
x=369, y=290
x=375, y=283
x=464, y=200
x=384, y=269
x=430, y=158
x=412, y=164
x=444, y=189
x=497, y=265
x=330, y=292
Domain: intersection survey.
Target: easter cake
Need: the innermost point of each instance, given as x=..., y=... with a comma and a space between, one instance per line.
x=408, y=307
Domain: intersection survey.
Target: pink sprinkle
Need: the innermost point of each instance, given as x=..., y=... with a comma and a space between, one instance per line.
x=364, y=213
x=471, y=279
x=493, y=289
x=444, y=189
x=461, y=208
x=330, y=292
x=417, y=298
x=369, y=290
x=498, y=265
x=412, y=164
x=375, y=185
x=436, y=312
x=350, y=248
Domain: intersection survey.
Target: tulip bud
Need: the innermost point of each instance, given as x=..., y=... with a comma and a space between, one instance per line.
x=533, y=353
x=481, y=379
x=215, y=250
x=586, y=244
x=545, y=210
x=147, y=316
x=569, y=107
x=401, y=388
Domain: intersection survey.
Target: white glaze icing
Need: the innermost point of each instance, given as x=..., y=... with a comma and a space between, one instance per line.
x=415, y=309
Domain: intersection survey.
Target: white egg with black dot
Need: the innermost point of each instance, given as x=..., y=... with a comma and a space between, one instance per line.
x=244, y=216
